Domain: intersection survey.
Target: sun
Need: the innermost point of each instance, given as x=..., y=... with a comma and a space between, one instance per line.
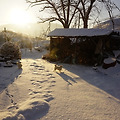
x=20, y=17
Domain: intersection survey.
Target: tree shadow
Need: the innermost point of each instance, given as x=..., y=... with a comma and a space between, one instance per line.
x=101, y=78
x=8, y=76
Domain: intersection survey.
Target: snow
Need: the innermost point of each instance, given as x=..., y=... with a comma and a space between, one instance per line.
x=109, y=60
x=72, y=32
x=37, y=92
x=109, y=25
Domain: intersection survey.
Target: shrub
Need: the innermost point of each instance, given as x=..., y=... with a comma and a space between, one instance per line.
x=52, y=56
x=10, y=49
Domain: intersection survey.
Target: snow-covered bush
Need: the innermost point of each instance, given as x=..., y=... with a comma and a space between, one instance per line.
x=10, y=49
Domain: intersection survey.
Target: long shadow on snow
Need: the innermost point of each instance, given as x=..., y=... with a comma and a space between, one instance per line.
x=8, y=75
x=105, y=82
x=67, y=78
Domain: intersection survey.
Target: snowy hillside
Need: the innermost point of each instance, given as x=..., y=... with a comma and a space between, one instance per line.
x=108, y=24
x=31, y=29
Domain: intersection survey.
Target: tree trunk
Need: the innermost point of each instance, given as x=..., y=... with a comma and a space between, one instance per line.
x=86, y=23
x=66, y=26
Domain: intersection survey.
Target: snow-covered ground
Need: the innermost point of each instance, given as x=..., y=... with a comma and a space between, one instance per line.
x=36, y=92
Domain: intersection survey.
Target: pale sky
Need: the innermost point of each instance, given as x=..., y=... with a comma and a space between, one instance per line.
x=15, y=11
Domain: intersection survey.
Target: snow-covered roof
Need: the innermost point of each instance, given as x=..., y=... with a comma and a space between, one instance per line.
x=72, y=32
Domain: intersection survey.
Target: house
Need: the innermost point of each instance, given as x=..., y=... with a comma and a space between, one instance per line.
x=82, y=44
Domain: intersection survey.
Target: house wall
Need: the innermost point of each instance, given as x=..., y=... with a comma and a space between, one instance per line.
x=83, y=49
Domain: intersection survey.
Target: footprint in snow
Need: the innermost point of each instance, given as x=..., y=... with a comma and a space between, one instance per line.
x=42, y=66
x=51, y=85
x=43, y=81
x=35, y=92
x=32, y=80
x=48, y=97
x=31, y=65
x=12, y=107
x=53, y=81
x=36, y=84
x=51, y=77
x=33, y=83
x=49, y=74
x=36, y=66
x=41, y=69
x=48, y=91
x=47, y=71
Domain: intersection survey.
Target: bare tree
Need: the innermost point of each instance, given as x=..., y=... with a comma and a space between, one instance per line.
x=88, y=8
x=71, y=11
x=59, y=10
x=85, y=7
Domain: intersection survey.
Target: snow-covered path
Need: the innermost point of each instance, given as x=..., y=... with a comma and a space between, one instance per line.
x=77, y=93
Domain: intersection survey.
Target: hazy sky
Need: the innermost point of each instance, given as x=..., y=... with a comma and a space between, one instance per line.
x=16, y=10
x=11, y=10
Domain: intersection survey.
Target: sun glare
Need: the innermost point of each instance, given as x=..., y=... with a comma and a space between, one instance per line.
x=20, y=17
